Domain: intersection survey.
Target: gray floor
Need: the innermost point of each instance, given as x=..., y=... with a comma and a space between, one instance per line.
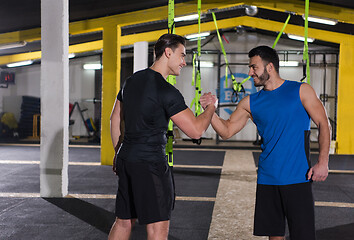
x=334, y=222
x=91, y=218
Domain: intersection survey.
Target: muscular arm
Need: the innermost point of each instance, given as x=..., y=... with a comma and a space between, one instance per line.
x=237, y=120
x=117, y=124
x=193, y=126
x=315, y=109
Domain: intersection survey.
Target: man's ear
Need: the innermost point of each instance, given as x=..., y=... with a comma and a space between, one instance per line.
x=168, y=52
x=270, y=67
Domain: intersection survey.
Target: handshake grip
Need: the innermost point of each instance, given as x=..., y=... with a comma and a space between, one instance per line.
x=206, y=100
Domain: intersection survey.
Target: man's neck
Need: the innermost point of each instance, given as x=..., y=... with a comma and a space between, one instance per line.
x=273, y=83
x=160, y=68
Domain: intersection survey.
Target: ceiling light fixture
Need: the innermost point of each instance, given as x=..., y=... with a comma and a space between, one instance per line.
x=327, y=21
x=13, y=45
x=92, y=66
x=251, y=10
x=288, y=63
x=19, y=64
x=71, y=55
x=300, y=38
x=196, y=35
x=206, y=64
x=187, y=18
x=195, y=39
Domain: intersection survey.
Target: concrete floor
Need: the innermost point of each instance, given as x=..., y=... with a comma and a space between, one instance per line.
x=215, y=196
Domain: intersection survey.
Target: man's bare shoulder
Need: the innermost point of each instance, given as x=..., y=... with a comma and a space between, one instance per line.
x=245, y=103
x=307, y=92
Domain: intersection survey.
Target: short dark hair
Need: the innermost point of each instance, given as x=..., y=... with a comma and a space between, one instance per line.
x=267, y=54
x=168, y=41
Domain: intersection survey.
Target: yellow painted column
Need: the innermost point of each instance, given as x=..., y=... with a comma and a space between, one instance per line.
x=110, y=86
x=345, y=126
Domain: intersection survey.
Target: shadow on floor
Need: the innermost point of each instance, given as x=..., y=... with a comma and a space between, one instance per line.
x=343, y=232
x=87, y=212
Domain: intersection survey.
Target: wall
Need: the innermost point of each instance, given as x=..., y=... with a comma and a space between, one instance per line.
x=82, y=81
x=241, y=43
x=27, y=81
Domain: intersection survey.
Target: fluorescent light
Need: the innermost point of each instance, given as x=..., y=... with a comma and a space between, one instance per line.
x=327, y=21
x=300, y=38
x=13, y=45
x=19, y=64
x=92, y=66
x=195, y=39
x=196, y=35
x=206, y=64
x=186, y=18
x=288, y=63
x=71, y=55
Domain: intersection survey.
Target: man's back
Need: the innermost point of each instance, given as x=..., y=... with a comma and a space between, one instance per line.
x=149, y=101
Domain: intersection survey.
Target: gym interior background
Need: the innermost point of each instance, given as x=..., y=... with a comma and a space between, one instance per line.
x=243, y=25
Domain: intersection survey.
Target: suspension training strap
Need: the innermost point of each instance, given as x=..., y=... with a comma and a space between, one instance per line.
x=223, y=51
x=196, y=78
x=306, y=47
x=172, y=80
x=281, y=32
x=238, y=86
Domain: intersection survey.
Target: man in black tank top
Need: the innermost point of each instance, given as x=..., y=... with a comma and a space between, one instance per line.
x=145, y=103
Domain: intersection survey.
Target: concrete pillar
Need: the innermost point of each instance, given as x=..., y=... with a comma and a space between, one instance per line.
x=141, y=54
x=54, y=98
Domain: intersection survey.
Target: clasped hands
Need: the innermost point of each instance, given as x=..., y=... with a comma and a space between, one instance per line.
x=208, y=99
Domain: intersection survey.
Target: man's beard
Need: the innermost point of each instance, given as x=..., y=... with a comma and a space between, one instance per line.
x=262, y=79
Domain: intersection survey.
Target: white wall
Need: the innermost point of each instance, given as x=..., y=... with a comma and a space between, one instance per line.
x=242, y=43
x=82, y=81
x=27, y=83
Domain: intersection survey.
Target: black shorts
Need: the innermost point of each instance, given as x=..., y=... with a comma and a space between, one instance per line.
x=275, y=203
x=145, y=191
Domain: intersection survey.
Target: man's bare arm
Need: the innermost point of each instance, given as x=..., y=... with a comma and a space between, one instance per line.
x=117, y=124
x=193, y=126
x=318, y=114
x=237, y=120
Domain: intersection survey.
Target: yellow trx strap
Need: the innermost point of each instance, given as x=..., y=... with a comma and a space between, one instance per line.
x=238, y=87
x=306, y=47
x=196, y=78
x=222, y=49
x=172, y=80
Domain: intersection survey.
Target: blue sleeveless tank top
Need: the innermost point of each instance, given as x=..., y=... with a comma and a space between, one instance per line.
x=284, y=126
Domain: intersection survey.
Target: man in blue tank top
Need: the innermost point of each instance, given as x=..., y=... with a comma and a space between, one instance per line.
x=282, y=112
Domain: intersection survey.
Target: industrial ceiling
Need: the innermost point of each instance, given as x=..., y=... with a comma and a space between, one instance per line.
x=19, y=15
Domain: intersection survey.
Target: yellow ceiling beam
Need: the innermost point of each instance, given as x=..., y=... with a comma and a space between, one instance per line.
x=316, y=9
x=86, y=47
x=160, y=13
x=20, y=57
x=18, y=36
x=233, y=22
x=147, y=15
x=77, y=48
x=125, y=19
x=209, y=26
